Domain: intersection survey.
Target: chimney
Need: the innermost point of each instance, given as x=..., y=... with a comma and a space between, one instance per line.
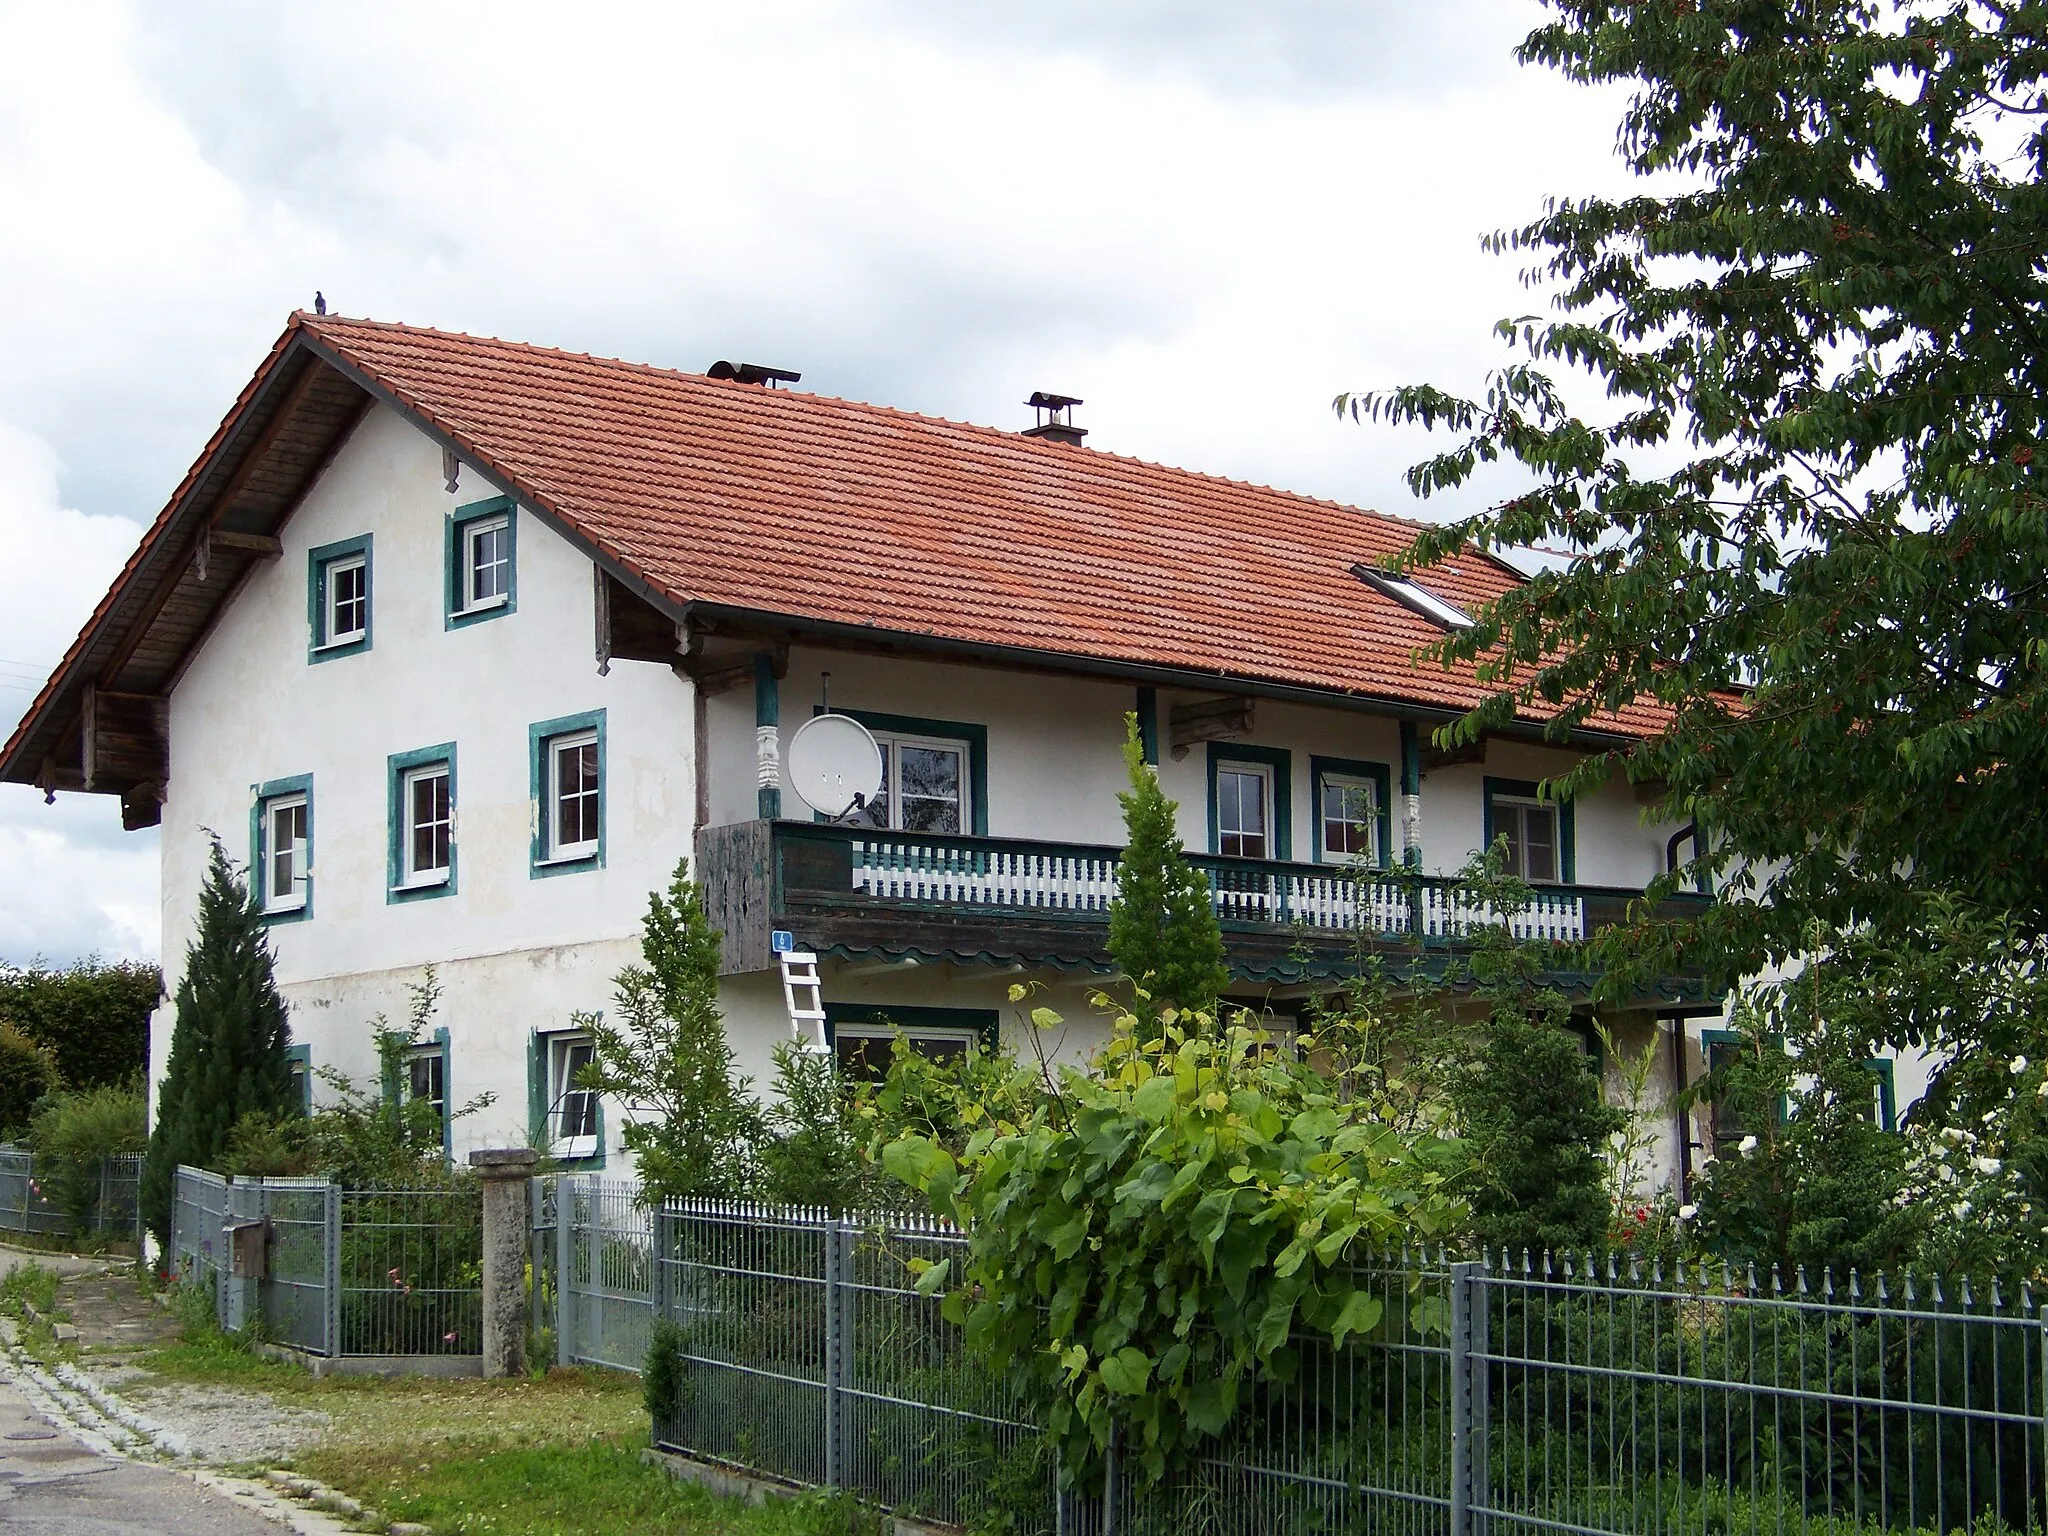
x=1055, y=418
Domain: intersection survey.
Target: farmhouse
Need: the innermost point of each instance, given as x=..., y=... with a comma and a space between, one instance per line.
x=462, y=644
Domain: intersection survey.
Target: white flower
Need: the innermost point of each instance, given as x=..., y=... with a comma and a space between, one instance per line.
x=2017, y=1065
x=1962, y=1207
x=1687, y=1212
x=1746, y=1146
x=1988, y=1165
x=1946, y=1174
x=1952, y=1133
x=2042, y=1091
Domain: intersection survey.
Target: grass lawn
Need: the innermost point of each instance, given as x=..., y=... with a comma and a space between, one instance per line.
x=557, y=1454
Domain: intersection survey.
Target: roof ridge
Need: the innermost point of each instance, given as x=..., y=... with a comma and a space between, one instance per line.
x=1006, y=436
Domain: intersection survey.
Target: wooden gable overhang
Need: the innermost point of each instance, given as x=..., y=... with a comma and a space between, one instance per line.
x=100, y=722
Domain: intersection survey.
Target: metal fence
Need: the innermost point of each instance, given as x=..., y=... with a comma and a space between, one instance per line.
x=344, y=1272
x=1573, y=1397
x=593, y=1271
x=97, y=1202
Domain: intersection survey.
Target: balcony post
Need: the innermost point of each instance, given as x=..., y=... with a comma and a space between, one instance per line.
x=767, y=735
x=1411, y=796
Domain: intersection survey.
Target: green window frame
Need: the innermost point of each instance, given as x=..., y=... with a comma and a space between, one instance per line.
x=975, y=737
x=1567, y=823
x=435, y=1049
x=264, y=800
x=1886, y=1099
x=301, y=1058
x=541, y=1101
x=985, y=1024
x=399, y=770
x=542, y=739
x=322, y=566
x=1380, y=776
x=464, y=524
x=1278, y=763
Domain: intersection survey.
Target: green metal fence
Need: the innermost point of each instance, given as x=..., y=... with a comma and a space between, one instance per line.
x=100, y=1203
x=1589, y=1397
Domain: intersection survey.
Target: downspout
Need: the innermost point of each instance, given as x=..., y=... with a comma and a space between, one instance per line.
x=1678, y=1112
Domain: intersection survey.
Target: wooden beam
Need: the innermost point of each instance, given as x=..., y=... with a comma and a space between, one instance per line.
x=1209, y=720
x=732, y=669
x=262, y=545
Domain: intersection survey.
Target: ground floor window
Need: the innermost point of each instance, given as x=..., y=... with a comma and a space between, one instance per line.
x=864, y=1035
x=426, y=1080
x=573, y=1124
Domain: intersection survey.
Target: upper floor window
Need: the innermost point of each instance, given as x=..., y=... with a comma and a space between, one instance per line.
x=482, y=561
x=1539, y=833
x=338, y=602
x=282, y=861
x=934, y=775
x=568, y=788
x=1248, y=801
x=422, y=822
x=1351, y=811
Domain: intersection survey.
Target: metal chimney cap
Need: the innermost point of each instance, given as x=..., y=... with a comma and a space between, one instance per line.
x=750, y=373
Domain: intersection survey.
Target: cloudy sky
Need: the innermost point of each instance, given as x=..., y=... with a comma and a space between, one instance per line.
x=1206, y=217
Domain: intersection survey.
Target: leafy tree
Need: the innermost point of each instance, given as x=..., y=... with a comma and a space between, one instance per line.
x=694, y=1123
x=27, y=1073
x=1163, y=932
x=228, y=1045
x=1818, y=336
x=72, y=1133
x=814, y=1150
x=93, y=1017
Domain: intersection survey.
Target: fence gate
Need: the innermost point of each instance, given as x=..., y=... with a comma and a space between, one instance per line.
x=603, y=1270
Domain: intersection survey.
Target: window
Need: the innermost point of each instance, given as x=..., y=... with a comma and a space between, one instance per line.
x=423, y=840
x=338, y=604
x=281, y=848
x=934, y=775
x=1539, y=832
x=1248, y=802
x=426, y=1070
x=1883, y=1111
x=573, y=1122
x=1415, y=597
x=482, y=561
x=301, y=1058
x=568, y=793
x=1353, y=821
x=864, y=1035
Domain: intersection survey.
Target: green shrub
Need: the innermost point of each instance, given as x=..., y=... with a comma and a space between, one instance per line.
x=27, y=1073
x=1162, y=924
x=814, y=1150
x=72, y=1136
x=92, y=1017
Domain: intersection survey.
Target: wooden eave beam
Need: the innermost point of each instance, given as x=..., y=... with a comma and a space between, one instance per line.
x=1210, y=720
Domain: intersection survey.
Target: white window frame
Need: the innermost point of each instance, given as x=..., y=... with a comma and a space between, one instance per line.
x=1369, y=792
x=293, y=898
x=1264, y=774
x=562, y=1091
x=472, y=532
x=893, y=788
x=330, y=602
x=433, y=1050
x=1520, y=806
x=412, y=877
x=559, y=852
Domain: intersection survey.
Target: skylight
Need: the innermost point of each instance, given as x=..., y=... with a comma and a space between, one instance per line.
x=1413, y=596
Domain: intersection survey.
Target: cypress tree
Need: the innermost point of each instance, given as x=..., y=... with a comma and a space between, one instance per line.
x=228, y=1048
x=1162, y=925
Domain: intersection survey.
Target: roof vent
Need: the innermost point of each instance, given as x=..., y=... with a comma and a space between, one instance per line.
x=1413, y=596
x=750, y=373
x=1055, y=418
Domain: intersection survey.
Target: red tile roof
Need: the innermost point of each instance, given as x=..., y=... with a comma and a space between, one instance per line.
x=839, y=512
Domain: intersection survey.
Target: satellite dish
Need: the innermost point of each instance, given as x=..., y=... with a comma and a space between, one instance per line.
x=834, y=764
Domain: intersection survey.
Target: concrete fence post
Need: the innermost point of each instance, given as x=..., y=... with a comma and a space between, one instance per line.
x=507, y=1236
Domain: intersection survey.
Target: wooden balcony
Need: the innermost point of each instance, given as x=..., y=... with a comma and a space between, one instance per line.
x=853, y=891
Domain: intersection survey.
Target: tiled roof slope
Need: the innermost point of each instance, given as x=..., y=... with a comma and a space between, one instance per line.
x=834, y=511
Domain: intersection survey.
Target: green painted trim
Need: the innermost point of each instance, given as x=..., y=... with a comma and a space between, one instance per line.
x=396, y=767
x=1148, y=724
x=455, y=583
x=539, y=866
x=301, y=1055
x=1379, y=774
x=447, y=1077
x=1567, y=821
x=1887, y=1091
x=536, y=1090
x=987, y=1022
x=976, y=737
x=1281, y=762
x=259, y=844
x=317, y=562
x=538, y=1108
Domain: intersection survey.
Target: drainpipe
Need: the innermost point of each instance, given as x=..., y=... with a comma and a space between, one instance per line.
x=1411, y=796
x=1678, y=1111
x=767, y=735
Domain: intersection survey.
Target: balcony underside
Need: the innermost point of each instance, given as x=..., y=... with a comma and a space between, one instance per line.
x=1000, y=902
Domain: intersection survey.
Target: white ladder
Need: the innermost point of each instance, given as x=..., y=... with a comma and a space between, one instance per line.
x=800, y=975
